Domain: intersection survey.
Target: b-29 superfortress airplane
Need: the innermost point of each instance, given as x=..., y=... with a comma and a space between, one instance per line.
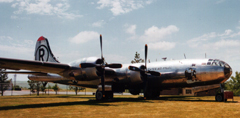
x=93, y=72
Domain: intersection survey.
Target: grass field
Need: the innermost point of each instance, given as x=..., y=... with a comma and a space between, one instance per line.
x=121, y=106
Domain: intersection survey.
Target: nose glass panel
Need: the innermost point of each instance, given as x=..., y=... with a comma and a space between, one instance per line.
x=227, y=70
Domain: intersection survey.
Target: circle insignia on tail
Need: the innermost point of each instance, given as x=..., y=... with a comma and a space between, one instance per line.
x=42, y=53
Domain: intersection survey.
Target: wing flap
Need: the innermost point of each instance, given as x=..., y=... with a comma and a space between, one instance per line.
x=37, y=66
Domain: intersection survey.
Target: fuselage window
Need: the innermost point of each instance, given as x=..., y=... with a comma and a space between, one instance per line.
x=208, y=63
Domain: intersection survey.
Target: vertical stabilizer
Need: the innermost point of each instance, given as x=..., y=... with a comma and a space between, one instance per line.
x=43, y=51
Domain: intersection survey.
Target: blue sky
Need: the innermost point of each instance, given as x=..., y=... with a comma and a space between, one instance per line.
x=170, y=28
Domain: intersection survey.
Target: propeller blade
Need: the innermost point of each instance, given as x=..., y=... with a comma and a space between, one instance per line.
x=146, y=51
x=101, y=46
x=133, y=68
x=114, y=65
x=87, y=65
x=103, y=69
x=154, y=73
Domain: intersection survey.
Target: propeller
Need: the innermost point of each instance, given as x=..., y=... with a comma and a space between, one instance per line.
x=143, y=70
x=101, y=67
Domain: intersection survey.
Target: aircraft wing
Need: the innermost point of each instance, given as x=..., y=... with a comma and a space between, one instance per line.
x=37, y=66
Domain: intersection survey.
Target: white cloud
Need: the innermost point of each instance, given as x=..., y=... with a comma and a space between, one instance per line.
x=162, y=45
x=130, y=29
x=6, y=1
x=16, y=49
x=99, y=23
x=44, y=7
x=118, y=7
x=154, y=36
x=10, y=47
x=115, y=58
x=154, y=33
x=84, y=36
x=226, y=43
x=235, y=34
x=195, y=42
x=149, y=1
x=215, y=41
x=6, y=38
x=226, y=33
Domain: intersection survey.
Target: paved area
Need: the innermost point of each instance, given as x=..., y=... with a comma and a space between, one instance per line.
x=27, y=92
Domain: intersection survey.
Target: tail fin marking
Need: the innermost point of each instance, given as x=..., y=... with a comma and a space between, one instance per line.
x=43, y=51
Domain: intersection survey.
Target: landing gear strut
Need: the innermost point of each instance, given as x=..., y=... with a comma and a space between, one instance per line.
x=220, y=95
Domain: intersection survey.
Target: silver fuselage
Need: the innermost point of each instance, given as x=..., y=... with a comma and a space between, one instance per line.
x=174, y=73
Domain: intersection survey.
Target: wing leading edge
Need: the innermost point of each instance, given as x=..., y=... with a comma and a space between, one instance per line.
x=37, y=66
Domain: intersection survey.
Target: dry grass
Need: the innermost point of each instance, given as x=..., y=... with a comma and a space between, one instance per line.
x=121, y=106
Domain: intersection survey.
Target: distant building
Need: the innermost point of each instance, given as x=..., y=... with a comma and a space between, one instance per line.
x=209, y=90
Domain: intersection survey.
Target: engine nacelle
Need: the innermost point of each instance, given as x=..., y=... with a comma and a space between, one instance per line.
x=84, y=74
x=134, y=77
x=93, y=60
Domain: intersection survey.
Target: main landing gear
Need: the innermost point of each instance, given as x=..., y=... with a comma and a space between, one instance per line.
x=219, y=97
x=151, y=94
x=223, y=95
x=99, y=95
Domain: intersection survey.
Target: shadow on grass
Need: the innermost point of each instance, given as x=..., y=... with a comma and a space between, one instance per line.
x=53, y=105
x=190, y=99
x=48, y=96
x=91, y=101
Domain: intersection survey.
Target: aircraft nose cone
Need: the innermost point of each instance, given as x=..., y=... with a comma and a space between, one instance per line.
x=227, y=71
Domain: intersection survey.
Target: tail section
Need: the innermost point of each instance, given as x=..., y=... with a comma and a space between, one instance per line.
x=43, y=51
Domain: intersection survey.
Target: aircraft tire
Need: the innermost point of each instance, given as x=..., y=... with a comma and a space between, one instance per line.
x=219, y=97
x=108, y=95
x=99, y=95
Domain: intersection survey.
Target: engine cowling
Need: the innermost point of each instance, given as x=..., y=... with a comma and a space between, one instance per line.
x=84, y=73
x=135, y=77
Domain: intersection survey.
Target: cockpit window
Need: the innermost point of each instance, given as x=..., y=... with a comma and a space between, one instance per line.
x=221, y=63
x=217, y=62
x=210, y=59
x=214, y=64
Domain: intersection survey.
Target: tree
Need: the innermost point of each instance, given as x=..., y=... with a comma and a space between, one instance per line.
x=35, y=86
x=137, y=59
x=56, y=88
x=76, y=89
x=32, y=85
x=43, y=89
x=234, y=84
x=4, y=83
